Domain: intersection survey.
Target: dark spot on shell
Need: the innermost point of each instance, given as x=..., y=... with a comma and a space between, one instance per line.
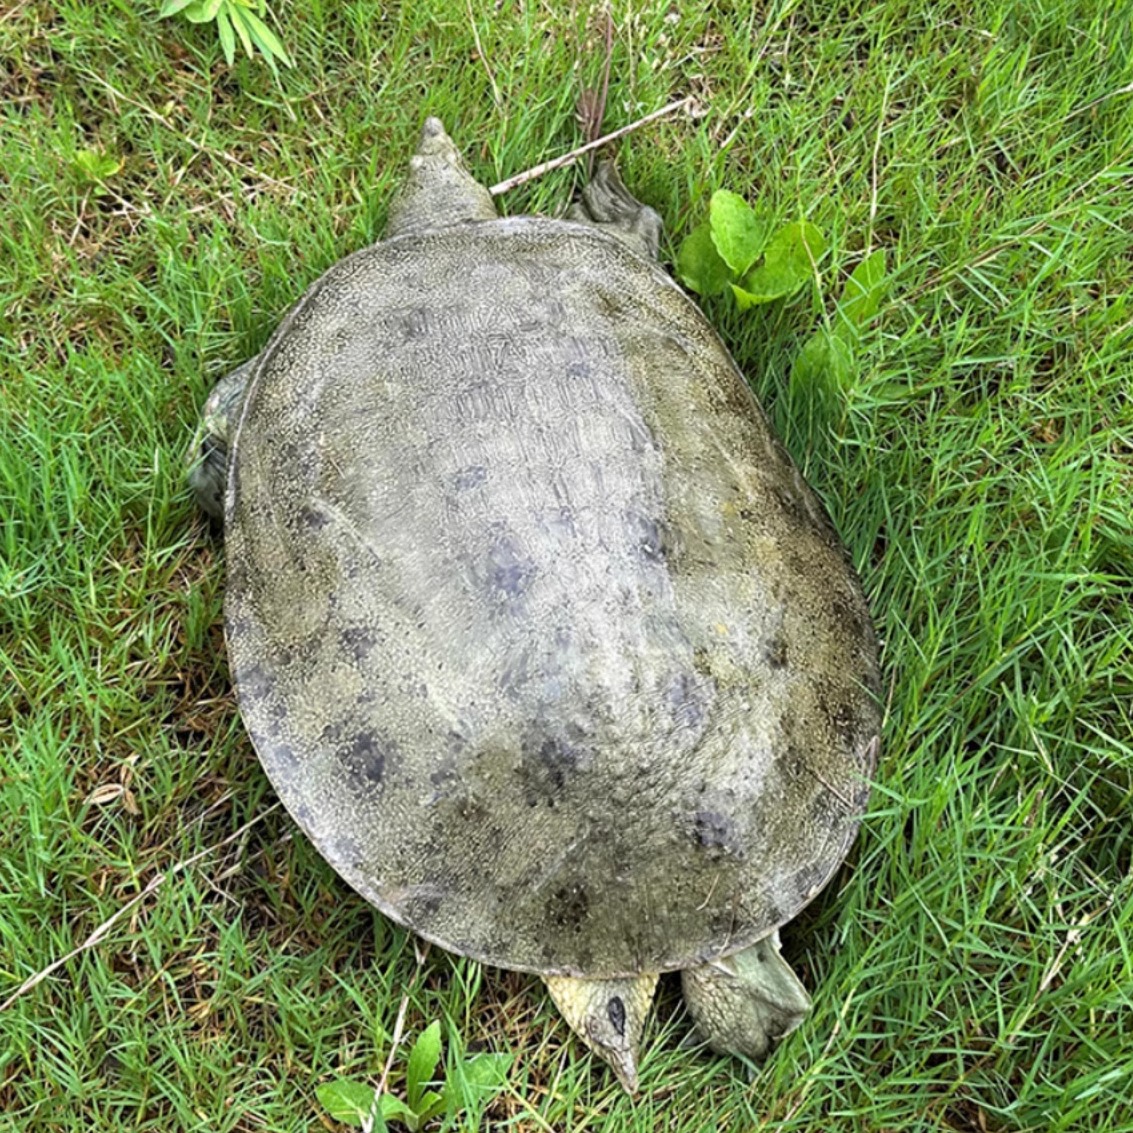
x=253, y=681
x=358, y=641
x=366, y=758
x=775, y=652
x=509, y=572
x=277, y=754
x=716, y=830
x=578, y=370
x=790, y=504
x=568, y=907
x=423, y=904
x=688, y=700
x=312, y=519
x=616, y=1011
x=468, y=478
x=345, y=849
x=649, y=536
x=416, y=323
x=548, y=763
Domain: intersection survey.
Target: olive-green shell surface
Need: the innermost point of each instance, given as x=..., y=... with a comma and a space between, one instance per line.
x=537, y=630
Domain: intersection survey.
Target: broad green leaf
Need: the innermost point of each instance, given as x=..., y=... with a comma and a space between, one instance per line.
x=430, y=1104
x=699, y=264
x=95, y=166
x=227, y=39
x=422, y=1064
x=349, y=1101
x=172, y=7
x=739, y=235
x=472, y=1084
x=487, y=1071
x=788, y=262
x=864, y=291
x=239, y=16
x=202, y=11
x=266, y=39
x=825, y=361
x=394, y=1109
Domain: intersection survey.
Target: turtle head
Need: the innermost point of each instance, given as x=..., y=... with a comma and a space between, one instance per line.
x=608, y=1015
x=439, y=191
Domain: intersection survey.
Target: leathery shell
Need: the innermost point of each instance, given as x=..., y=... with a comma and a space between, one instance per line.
x=538, y=631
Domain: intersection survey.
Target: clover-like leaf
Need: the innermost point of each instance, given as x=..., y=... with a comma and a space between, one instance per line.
x=737, y=232
x=788, y=262
x=699, y=264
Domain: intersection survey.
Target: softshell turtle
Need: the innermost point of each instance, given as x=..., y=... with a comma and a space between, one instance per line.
x=536, y=628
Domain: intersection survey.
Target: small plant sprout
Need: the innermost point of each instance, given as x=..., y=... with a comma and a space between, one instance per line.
x=243, y=19
x=468, y=1085
x=738, y=249
x=96, y=167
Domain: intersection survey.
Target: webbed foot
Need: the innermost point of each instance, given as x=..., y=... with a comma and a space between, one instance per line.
x=607, y=203
x=743, y=1003
x=208, y=454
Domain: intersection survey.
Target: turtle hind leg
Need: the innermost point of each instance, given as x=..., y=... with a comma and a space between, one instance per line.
x=608, y=1015
x=743, y=1003
x=607, y=203
x=208, y=455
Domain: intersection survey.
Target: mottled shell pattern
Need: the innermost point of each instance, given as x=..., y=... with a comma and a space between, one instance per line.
x=540, y=634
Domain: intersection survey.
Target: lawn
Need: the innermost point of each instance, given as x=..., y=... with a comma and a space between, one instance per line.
x=972, y=964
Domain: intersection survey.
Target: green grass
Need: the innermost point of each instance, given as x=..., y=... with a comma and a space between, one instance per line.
x=973, y=963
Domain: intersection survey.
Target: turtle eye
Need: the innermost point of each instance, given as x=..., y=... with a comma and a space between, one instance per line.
x=616, y=1010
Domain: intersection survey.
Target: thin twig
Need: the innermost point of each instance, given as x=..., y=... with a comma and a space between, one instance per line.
x=104, y=928
x=567, y=158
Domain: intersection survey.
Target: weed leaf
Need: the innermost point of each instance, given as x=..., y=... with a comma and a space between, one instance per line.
x=266, y=40
x=826, y=362
x=227, y=39
x=394, y=1109
x=699, y=264
x=863, y=292
x=422, y=1064
x=202, y=11
x=172, y=7
x=738, y=234
x=95, y=166
x=350, y=1101
x=788, y=263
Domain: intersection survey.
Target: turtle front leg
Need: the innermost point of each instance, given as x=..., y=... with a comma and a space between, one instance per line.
x=607, y=203
x=743, y=1003
x=208, y=474
x=608, y=1015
